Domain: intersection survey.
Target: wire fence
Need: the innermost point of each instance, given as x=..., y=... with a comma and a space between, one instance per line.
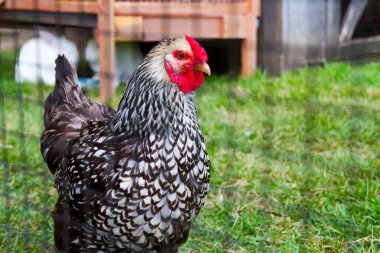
x=268, y=142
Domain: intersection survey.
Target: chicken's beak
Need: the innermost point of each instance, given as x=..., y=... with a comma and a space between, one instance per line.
x=204, y=67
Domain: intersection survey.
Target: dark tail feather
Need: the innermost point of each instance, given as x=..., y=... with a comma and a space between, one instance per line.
x=62, y=119
x=66, y=82
x=67, y=109
x=64, y=72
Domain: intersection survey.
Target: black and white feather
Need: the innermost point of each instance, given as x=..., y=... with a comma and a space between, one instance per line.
x=131, y=180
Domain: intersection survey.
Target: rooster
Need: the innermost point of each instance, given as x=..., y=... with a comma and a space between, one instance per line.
x=131, y=180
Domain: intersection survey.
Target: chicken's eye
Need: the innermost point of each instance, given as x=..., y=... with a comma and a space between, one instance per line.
x=180, y=56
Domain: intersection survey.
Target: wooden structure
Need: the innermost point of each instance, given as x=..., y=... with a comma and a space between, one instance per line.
x=359, y=33
x=145, y=21
x=296, y=33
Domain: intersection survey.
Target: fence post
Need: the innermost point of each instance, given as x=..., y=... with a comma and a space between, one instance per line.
x=249, y=44
x=106, y=39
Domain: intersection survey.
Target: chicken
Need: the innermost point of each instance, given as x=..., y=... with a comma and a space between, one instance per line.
x=131, y=180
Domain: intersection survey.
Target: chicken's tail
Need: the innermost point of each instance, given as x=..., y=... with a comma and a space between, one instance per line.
x=63, y=117
x=66, y=81
x=67, y=110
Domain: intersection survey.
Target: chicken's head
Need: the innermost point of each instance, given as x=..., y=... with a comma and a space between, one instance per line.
x=184, y=62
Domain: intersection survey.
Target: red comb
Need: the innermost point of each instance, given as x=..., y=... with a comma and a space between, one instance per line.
x=198, y=51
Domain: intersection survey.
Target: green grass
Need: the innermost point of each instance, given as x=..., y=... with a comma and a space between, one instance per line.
x=296, y=163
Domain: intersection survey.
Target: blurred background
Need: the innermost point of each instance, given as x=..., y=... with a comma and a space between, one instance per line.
x=291, y=114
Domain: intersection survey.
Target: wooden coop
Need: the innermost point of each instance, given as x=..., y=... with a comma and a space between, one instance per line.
x=118, y=20
x=295, y=33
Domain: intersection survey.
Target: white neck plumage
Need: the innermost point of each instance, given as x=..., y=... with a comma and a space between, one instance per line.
x=150, y=106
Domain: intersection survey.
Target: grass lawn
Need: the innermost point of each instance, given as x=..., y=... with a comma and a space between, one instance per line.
x=296, y=163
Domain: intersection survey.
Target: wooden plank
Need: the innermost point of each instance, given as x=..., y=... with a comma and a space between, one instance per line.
x=304, y=36
x=157, y=28
x=21, y=18
x=271, y=35
x=106, y=39
x=360, y=49
x=53, y=6
x=333, y=19
x=128, y=28
x=254, y=7
x=249, y=47
x=351, y=19
x=367, y=40
x=234, y=27
x=180, y=9
x=249, y=44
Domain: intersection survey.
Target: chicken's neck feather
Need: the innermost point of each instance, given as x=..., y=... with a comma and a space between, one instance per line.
x=153, y=105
